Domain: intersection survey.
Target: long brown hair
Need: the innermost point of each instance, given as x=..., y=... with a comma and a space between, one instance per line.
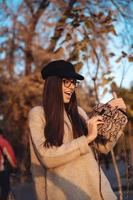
x=54, y=113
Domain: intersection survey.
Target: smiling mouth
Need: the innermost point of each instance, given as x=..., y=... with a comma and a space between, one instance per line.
x=68, y=94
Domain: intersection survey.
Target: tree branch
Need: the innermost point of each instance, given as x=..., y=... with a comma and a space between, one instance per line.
x=120, y=11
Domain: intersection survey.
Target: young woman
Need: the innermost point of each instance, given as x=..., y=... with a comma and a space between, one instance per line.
x=63, y=164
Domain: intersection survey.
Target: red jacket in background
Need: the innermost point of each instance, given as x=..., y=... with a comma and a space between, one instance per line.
x=8, y=151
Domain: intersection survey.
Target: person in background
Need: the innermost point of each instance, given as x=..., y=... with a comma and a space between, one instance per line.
x=63, y=164
x=6, y=150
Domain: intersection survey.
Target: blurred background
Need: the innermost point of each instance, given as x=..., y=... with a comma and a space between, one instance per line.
x=96, y=36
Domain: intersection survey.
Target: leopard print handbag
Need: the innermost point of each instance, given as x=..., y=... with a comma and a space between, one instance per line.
x=114, y=119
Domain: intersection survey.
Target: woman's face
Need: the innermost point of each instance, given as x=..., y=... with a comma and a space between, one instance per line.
x=68, y=87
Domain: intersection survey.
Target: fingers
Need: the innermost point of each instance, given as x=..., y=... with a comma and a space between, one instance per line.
x=99, y=122
x=118, y=102
x=114, y=95
x=96, y=119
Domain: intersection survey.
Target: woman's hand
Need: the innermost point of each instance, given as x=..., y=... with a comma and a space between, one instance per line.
x=92, y=127
x=118, y=102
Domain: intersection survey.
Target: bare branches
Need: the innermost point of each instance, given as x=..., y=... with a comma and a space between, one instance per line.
x=94, y=78
x=71, y=3
x=120, y=10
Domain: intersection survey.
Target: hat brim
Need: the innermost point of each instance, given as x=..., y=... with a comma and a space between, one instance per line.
x=71, y=75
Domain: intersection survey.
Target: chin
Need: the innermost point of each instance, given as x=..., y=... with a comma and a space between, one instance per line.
x=67, y=101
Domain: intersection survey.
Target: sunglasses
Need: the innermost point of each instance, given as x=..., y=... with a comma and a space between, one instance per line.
x=68, y=82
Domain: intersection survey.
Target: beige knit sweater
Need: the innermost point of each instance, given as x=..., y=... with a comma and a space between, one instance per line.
x=68, y=172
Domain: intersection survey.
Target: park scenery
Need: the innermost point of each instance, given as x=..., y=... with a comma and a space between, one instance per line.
x=97, y=37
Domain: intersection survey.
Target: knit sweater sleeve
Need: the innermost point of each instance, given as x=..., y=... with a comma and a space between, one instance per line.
x=100, y=147
x=53, y=156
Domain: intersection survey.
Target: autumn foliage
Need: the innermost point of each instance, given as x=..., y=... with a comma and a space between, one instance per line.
x=40, y=31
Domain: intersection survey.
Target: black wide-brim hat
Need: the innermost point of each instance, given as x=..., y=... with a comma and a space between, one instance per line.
x=60, y=68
